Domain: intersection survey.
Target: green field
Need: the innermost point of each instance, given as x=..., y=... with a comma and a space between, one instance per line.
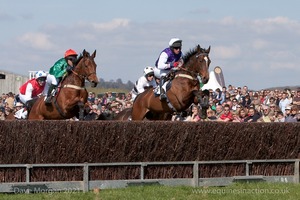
x=286, y=191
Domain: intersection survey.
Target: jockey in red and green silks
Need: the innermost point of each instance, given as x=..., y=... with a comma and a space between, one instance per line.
x=57, y=71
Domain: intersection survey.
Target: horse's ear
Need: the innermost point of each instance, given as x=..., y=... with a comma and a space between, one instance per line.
x=208, y=50
x=84, y=52
x=94, y=54
x=198, y=48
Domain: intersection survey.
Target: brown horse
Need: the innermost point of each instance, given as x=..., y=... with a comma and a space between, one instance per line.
x=72, y=94
x=184, y=90
x=124, y=115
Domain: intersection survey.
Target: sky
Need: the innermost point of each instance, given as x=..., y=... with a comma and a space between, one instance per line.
x=256, y=43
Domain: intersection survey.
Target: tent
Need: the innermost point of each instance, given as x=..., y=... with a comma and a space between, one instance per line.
x=212, y=82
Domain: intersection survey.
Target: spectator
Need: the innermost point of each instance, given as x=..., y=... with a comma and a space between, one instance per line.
x=227, y=115
x=296, y=99
x=194, y=117
x=104, y=99
x=230, y=90
x=279, y=117
x=284, y=101
x=91, y=97
x=9, y=101
x=246, y=101
x=92, y=113
x=8, y=112
x=241, y=116
x=218, y=96
x=253, y=116
x=265, y=116
x=293, y=115
x=234, y=105
x=256, y=102
x=2, y=113
x=110, y=97
x=219, y=111
x=211, y=115
x=271, y=100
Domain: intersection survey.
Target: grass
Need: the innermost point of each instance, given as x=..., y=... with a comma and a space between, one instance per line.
x=259, y=190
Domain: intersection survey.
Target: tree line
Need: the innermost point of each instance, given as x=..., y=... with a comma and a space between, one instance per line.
x=118, y=84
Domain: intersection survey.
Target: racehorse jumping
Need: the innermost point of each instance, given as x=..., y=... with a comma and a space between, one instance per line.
x=184, y=90
x=72, y=94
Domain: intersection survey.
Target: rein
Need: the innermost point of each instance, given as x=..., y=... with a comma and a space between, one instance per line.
x=83, y=77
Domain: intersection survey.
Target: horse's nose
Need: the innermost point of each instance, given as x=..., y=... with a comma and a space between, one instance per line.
x=94, y=84
x=205, y=79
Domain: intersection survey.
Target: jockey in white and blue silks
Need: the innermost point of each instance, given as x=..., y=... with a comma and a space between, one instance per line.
x=168, y=59
x=145, y=81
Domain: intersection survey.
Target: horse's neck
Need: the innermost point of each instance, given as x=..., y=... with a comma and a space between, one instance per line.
x=187, y=70
x=73, y=79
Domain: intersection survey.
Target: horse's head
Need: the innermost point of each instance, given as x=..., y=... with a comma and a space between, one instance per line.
x=86, y=67
x=197, y=60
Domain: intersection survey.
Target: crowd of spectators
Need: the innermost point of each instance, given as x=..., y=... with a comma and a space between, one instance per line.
x=227, y=104
x=238, y=104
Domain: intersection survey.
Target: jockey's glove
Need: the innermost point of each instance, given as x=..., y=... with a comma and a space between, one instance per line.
x=174, y=64
x=69, y=68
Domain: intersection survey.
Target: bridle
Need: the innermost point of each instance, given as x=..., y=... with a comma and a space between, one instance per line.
x=197, y=74
x=80, y=76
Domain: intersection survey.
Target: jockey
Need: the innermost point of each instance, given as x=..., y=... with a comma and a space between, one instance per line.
x=169, y=58
x=33, y=88
x=145, y=81
x=57, y=71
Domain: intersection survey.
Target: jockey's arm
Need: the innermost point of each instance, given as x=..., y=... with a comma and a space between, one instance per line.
x=28, y=92
x=162, y=61
x=141, y=83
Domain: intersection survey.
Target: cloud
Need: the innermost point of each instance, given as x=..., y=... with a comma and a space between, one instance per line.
x=108, y=26
x=259, y=44
x=36, y=40
x=227, y=52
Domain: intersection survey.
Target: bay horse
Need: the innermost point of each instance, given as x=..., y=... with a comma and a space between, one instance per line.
x=72, y=94
x=184, y=90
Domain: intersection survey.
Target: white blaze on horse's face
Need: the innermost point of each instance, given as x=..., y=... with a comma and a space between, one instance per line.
x=206, y=59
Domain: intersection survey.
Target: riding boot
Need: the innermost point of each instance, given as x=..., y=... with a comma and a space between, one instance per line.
x=49, y=94
x=163, y=95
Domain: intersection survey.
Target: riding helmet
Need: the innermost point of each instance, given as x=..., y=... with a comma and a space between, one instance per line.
x=175, y=42
x=148, y=71
x=70, y=52
x=41, y=75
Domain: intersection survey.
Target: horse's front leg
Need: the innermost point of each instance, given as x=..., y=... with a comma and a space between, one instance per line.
x=202, y=97
x=81, y=110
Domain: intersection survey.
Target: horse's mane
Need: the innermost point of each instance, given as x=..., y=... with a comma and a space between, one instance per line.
x=191, y=53
x=80, y=57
